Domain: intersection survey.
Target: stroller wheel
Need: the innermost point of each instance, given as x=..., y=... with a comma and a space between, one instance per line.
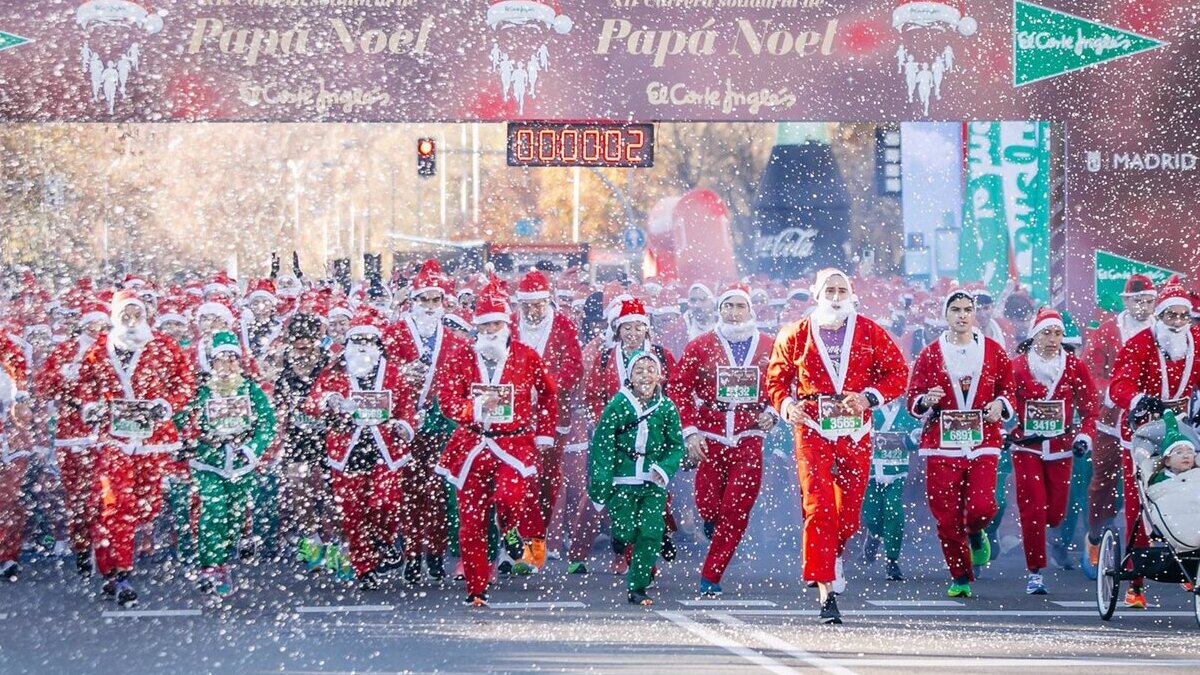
x=1108, y=576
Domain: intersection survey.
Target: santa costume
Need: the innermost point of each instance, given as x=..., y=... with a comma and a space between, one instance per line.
x=14, y=462
x=719, y=389
x=491, y=459
x=960, y=467
x=428, y=353
x=1048, y=393
x=556, y=340
x=1154, y=371
x=1100, y=355
x=130, y=382
x=820, y=370
x=369, y=411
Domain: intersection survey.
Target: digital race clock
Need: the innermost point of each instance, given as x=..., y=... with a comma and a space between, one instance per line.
x=596, y=144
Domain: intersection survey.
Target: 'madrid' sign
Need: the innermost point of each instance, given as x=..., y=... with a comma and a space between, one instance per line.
x=1048, y=43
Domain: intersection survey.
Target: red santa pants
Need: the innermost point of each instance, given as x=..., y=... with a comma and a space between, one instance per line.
x=76, y=466
x=1043, y=487
x=727, y=484
x=962, y=498
x=833, y=479
x=12, y=509
x=491, y=482
x=370, y=504
x=423, y=513
x=1102, y=490
x=549, y=479
x=128, y=493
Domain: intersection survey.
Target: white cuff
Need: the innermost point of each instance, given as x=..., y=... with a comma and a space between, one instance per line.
x=787, y=404
x=689, y=432
x=1007, y=411
x=163, y=402
x=1085, y=438
x=877, y=394
x=598, y=507
x=659, y=470
x=1134, y=402
x=404, y=427
x=543, y=441
x=86, y=410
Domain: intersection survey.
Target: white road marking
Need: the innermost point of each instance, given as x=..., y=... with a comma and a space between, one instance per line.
x=915, y=603
x=342, y=609
x=136, y=613
x=970, y=664
x=1074, y=603
x=536, y=605
x=3, y=616
x=823, y=664
x=733, y=647
x=908, y=613
x=726, y=603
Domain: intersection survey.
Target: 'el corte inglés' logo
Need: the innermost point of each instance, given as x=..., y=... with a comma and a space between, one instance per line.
x=1048, y=43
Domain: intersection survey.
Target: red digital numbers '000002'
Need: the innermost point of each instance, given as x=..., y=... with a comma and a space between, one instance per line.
x=579, y=146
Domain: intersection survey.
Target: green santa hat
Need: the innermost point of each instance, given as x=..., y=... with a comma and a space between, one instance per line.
x=1173, y=438
x=638, y=356
x=225, y=342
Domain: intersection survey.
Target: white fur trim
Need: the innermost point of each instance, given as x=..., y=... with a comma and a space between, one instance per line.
x=543, y=441
x=1048, y=323
x=735, y=293
x=340, y=311
x=163, y=402
x=406, y=428
x=654, y=468
x=168, y=316
x=631, y=318
x=1171, y=302
x=91, y=317
x=372, y=331
x=536, y=295
x=254, y=295
x=488, y=318
x=215, y=309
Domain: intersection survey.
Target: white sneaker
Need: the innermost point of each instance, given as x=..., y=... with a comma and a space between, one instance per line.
x=839, y=576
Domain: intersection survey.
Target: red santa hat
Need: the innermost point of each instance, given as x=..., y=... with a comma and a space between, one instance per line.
x=491, y=306
x=339, y=305
x=503, y=13
x=131, y=13
x=667, y=301
x=1047, y=318
x=122, y=299
x=261, y=288
x=1173, y=295
x=221, y=283
x=738, y=290
x=172, y=308
x=93, y=311
x=216, y=308
x=133, y=281
x=455, y=319
x=429, y=278
x=315, y=301
x=368, y=322
x=1138, y=285
x=703, y=288
x=533, y=286
x=936, y=14
x=632, y=311
x=823, y=277
x=653, y=285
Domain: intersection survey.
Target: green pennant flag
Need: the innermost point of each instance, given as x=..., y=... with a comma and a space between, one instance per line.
x=1048, y=43
x=8, y=40
x=1111, y=272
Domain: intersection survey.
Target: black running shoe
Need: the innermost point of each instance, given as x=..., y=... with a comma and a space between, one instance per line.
x=127, y=597
x=640, y=598
x=392, y=560
x=894, y=572
x=83, y=564
x=10, y=571
x=710, y=526
x=436, y=566
x=829, y=610
x=412, y=572
x=109, y=589
x=667, y=551
x=368, y=582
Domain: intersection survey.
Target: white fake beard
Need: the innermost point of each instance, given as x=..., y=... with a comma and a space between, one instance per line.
x=533, y=331
x=131, y=338
x=737, y=332
x=492, y=347
x=1173, y=343
x=362, y=359
x=427, y=320
x=829, y=313
x=1047, y=371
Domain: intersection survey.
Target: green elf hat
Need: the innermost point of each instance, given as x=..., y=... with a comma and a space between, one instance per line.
x=638, y=356
x=1071, y=334
x=225, y=342
x=1173, y=438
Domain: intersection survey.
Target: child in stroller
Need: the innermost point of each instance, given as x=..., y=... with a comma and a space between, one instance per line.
x=1165, y=454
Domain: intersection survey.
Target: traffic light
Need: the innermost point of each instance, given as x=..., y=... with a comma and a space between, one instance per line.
x=426, y=157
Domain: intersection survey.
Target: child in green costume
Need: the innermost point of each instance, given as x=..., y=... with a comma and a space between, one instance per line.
x=883, y=506
x=636, y=450
x=229, y=424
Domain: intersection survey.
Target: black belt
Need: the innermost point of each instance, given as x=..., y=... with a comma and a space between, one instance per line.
x=478, y=431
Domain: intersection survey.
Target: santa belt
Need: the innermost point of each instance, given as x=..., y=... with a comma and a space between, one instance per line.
x=478, y=431
x=722, y=406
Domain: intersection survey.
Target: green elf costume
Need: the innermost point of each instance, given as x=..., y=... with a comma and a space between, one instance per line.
x=636, y=449
x=230, y=423
x=883, y=506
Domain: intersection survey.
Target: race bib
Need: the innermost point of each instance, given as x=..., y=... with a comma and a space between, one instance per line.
x=737, y=385
x=371, y=408
x=131, y=418
x=961, y=428
x=503, y=413
x=229, y=416
x=1045, y=418
x=834, y=419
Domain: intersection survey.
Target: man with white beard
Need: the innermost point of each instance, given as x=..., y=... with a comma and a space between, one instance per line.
x=1051, y=385
x=723, y=405
x=492, y=457
x=826, y=374
x=427, y=353
x=700, y=316
x=1154, y=372
x=556, y=339
x=131, y=382
x=1103, y=345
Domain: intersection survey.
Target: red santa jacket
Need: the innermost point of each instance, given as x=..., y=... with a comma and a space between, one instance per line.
x=1100, y=355
x=1138, y=372
x=608, y=374
x=800, y=369
x=1078, y=394
x=450, y=353
x=159, y=372
x=390, y=437
x=15, y=440
x=563, y=356
x=512, y=442
x=993, y=381
x=57, y=382
x=693, y=389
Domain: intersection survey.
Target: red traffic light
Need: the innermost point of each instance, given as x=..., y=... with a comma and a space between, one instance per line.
x=425, y=147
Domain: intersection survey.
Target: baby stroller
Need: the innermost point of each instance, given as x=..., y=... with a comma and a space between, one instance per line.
x=1171, y=513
